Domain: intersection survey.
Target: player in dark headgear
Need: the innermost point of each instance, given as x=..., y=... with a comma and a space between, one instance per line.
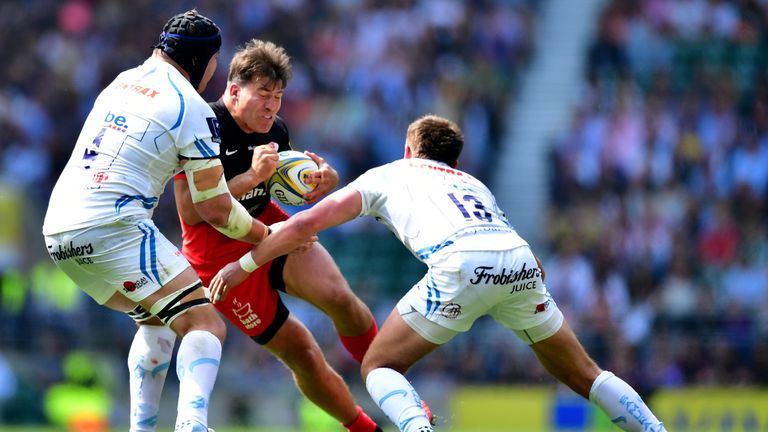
x=149, y=124
x=190, y=40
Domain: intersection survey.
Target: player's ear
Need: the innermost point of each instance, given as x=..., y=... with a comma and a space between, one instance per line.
x=407, y=151
x=234, y=90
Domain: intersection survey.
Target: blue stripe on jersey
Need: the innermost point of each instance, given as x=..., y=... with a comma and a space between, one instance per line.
x=153, y=254
x=203, y=148
x=143, y=253
x=432, y=291
x=181, y=102
x=426, y=252
x=149, y=234
x=146, y=202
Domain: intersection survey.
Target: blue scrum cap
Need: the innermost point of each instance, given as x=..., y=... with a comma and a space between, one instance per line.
x=190, y=39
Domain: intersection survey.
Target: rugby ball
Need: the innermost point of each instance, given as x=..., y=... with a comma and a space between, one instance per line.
x=289, y=181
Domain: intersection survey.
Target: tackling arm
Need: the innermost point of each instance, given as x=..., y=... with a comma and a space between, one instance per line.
x=339, y=207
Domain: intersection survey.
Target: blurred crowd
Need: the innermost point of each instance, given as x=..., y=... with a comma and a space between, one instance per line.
x=362, y=71
x=659, y=194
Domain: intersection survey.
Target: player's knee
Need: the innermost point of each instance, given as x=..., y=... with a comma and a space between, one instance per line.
x=342, y=303
x=184, y=311
x=205, y=319
x=304, y=359
x=371, y=362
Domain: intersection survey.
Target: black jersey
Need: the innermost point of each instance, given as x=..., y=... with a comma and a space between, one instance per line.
x=236, y=153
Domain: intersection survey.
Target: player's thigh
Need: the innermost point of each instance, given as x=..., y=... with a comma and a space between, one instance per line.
x=396, y=346
x=313, y=275
x=130, y=257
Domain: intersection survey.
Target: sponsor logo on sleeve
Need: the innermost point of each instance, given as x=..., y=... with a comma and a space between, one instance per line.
x=213, y=126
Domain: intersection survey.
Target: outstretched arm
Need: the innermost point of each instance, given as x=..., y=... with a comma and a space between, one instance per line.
x=339, y=207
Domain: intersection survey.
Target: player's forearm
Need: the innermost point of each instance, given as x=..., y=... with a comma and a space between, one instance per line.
x=230, y=218
x=241, y=184
x=286, y=239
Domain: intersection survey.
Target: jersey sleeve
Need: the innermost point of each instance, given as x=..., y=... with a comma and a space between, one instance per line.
x=372, y=185
x=199, y=136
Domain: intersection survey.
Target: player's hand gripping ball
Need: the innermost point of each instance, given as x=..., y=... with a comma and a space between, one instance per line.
x=287, y=184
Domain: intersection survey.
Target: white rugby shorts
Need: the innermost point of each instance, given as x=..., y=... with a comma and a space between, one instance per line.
x=129, y=256
x=465, y=285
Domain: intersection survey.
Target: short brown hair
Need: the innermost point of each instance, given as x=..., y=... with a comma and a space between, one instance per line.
x=258, y=58
x=437, y=138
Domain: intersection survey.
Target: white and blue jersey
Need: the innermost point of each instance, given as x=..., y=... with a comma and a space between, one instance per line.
x=432, y=207
x=140, y=127
x=98, y=227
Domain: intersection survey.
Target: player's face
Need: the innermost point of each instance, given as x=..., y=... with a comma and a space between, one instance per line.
x=257, y=105
x=209, y=71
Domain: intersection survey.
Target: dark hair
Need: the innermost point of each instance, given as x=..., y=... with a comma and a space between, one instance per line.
x=258, y=59
x=190, y=39
x=437, y=138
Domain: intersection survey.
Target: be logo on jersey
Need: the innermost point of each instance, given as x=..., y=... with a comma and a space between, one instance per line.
x=116, y=122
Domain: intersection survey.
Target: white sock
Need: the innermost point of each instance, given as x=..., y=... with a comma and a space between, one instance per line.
x=397, y=398
x=623, y=405
x=197, y=364
x=148, y=362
